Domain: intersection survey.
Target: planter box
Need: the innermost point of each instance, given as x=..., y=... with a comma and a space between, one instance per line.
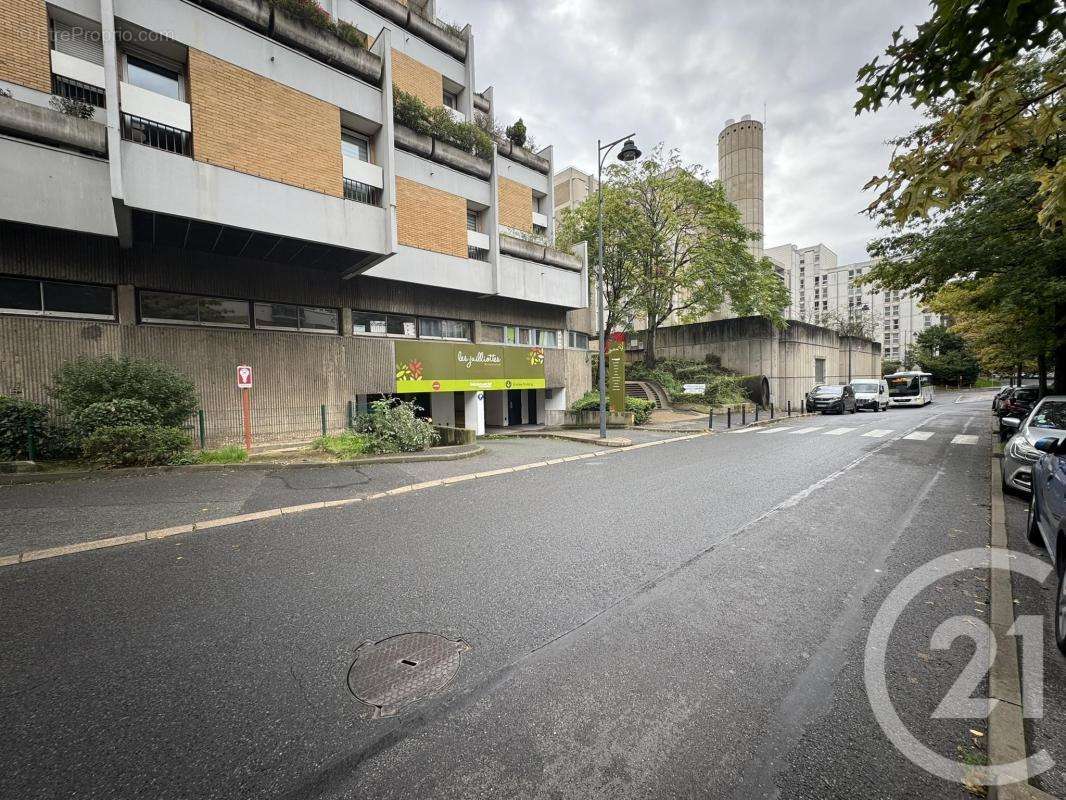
x=558, y=258
x=591, y=419
x=42, y=124
x=444, y=39
x=520, y=248
x=528, y=159
x=481, y=104
x=327, y=46
x=417, y=143
x=450, y=437
x=390, y=9
x=253, y=13
x=451, y=156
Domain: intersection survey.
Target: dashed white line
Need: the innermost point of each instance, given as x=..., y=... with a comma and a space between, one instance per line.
x=963, y=438
x=877, y=433
x=776, y=429
x=919, y=436
x=839, y=431
x=806, y=430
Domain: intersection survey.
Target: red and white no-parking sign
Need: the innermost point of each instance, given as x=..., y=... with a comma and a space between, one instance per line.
x=244, y=377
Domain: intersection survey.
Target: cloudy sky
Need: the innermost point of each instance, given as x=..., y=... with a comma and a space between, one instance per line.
x=675, y=70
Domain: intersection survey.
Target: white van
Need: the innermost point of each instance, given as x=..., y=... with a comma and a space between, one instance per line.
x=870, y=393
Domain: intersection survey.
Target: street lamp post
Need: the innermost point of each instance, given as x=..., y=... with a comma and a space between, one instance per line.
x=629, y=152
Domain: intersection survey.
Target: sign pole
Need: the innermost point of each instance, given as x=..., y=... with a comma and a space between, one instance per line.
x=246, y=408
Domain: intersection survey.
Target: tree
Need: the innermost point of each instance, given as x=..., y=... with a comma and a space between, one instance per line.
x=579, y=224
x=889, y=367
x=856, y=322
x=944, y=354
x=689, y=248
x=517, y=133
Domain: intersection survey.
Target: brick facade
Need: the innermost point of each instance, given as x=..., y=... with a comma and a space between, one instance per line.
x=416, y=78
x=430, y=219
x=516, y=205
x=25, y=51
x=253, y=125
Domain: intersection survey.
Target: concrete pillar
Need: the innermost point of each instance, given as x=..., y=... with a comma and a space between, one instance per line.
x=542, y=406
x=442, y=408
x=525, y=407
x=557, y=401
x=346, y=322
x=496, y=409
x=127, y=304
x=475, y=412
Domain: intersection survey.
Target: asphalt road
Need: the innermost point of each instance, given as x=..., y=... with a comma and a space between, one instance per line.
x=685, y=620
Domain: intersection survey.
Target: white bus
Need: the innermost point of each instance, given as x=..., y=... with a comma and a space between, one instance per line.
x=910, y=388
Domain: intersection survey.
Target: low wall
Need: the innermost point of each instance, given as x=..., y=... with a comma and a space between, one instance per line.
x=588, y=419
x=454, y=436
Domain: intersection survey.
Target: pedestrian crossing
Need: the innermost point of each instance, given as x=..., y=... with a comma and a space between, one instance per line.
x=875, y=433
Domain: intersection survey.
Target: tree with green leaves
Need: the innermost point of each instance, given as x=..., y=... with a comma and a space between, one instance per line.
x=946, y=355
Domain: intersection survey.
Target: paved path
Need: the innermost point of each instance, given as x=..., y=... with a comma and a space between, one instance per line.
x=686, y=620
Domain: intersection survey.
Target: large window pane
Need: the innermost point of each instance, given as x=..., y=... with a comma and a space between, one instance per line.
x=230, y=313
x=401, y=325
x=492, y=333
x=455, y=329
x=277, y=315
x=318, y=319
x=368, y=322
x=79, y=299
x=20, y=295
x=153, y=77
x=355, y=146
x=166, y=307
x=430, y=327
x=549, y=339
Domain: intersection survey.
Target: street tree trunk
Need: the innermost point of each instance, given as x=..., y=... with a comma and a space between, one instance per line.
x=649, y=347
x=1060, y=348
x=1041, y=368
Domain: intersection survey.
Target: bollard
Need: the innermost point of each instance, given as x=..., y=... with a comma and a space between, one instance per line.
x=203, y=429
x=710, y=419
x=790, y=408
x=771, y=410
x=31, y=443
x=756, y=413
x=729, y=417
x=351, y=414
x=744, y=415
x=323, y=410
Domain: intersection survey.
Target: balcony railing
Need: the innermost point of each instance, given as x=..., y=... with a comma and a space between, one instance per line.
x=76, y=90
x=157, y=135
x=361, y=192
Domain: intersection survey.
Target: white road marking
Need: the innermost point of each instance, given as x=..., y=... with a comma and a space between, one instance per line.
x=964, y=439
x=839, y=431
x=919, y=436
x=776, y=429
x=877, y=433
x=806, y=430
x=746, y=430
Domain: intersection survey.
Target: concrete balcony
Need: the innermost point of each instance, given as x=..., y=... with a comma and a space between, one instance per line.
x=43, y=124
x=221, y=205
x=77, y=69
x=156, y=108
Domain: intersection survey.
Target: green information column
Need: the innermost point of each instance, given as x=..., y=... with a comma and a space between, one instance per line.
x=616, y=372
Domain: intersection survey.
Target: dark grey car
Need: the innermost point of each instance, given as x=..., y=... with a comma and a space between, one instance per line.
x=834, y=400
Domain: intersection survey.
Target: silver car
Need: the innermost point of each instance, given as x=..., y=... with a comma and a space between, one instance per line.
x=1048, y=418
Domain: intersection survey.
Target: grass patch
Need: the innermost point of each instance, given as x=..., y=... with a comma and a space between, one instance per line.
x=344, y=445
x=231, y=454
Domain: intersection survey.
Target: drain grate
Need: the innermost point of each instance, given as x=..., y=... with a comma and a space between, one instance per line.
x=397, y=671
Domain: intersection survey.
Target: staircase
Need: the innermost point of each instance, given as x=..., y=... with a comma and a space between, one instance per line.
x=648, y=390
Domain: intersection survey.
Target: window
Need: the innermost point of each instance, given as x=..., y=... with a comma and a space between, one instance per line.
x=187, y=309
x=540, y=230
x=471, y=220
x=355, y=145
x=819, y=370
x=579, y=340
x=377, y=324
x=454, y=329
x=451, y=100
x=549, y=339
x=285, y=317
x=492, y=334
x=56, y=299
x=154, y=77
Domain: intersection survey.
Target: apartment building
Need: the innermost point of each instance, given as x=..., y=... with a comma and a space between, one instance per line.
x=242, y=194
x=824, y=290
x=572, y=188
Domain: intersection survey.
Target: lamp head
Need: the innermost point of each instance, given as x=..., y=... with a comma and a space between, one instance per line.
x=629, y=151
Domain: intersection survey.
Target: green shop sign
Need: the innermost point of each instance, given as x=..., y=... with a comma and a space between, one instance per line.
x=466, y=367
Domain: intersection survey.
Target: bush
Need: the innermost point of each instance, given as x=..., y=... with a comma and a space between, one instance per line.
x=137, y=446
x=393, y=426
x=641, y=409
x=412, y=113
x=73, y=108
x=80, y=383
x=722, y=390
x=346, y=445
x=113, y=414
x=16, y=419
x=230, y=454
x=517, y=133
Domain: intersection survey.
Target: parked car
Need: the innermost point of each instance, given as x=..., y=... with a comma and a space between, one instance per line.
x=809, y=403
x=872, y=394
x=1045, y=524
x=1048, y=418
x=834, y=400
x=1017, y=404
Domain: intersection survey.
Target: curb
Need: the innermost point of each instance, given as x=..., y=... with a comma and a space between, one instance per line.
x=563, y=436
x=1006, y=728
x=27, y=556
x=455, y=454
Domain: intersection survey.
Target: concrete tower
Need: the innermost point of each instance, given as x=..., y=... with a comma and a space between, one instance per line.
x=740, y=170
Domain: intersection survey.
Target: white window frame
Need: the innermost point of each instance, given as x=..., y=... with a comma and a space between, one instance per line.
x=159, y=61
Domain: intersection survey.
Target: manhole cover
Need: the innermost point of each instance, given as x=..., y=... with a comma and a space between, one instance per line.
x=394, y=672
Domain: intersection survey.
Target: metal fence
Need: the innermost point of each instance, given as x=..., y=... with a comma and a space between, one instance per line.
x=296, y=425
x=154, y=134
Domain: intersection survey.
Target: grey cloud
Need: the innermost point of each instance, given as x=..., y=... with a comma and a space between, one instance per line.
x=578, y=70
